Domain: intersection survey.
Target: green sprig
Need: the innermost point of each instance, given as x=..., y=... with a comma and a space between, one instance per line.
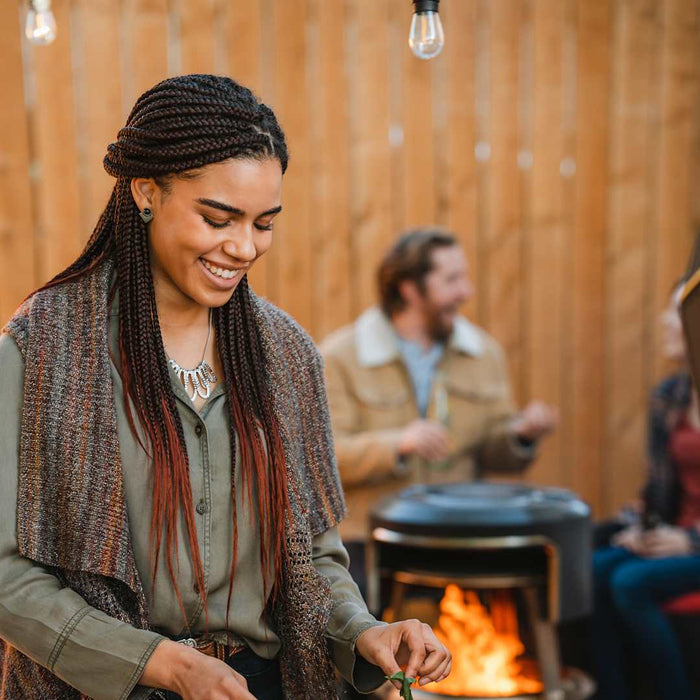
x=406, y=682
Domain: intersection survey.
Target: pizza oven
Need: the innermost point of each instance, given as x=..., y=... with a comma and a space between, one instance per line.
x=493, y=567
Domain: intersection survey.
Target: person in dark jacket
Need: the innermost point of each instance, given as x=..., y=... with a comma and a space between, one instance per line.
x=657, y=557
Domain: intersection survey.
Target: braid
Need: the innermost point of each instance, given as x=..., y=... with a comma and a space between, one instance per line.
x=180, y=124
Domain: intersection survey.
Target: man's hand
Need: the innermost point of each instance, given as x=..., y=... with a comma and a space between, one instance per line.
x=536, y=420
x=409, y=644
x=425, y=438
x=193, y=675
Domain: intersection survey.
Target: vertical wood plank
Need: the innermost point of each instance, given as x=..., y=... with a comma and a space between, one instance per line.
x=525, y=158
x=145, y=51
x=197, y=36
x=418, y=151
x=460, y=171
x=482, y=149
x=54, y=123
x=632, y=94
x=547, y=245
x=244, y=26
x=371, y=156
x=679, y=81
x=99, y=101
x=590, y=228
x=330, y=165
x=291, y=99
x=695, y=131
x=244, y=42
x=399, y=21
x=503, y=235
x=17, y=241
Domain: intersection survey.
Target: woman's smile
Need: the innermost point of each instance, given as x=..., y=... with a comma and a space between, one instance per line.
x=222, y=277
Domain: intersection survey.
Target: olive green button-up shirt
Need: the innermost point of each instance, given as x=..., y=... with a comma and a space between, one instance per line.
x=103, y=657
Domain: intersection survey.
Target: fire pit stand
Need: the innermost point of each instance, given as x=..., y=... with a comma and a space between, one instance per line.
x=576, y=685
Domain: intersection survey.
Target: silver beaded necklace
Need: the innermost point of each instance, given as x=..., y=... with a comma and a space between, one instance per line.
x=199, y=380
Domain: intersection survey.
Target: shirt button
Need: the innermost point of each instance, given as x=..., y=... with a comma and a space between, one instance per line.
x=198, y=430
x=202, y=507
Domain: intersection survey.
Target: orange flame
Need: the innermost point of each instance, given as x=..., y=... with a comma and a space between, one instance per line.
x=484, y=648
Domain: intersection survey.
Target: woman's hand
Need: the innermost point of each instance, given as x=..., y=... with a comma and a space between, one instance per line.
x=631, y=539
x=666, y=541
x=659, y=542
x=193, y=675
x=409, y=645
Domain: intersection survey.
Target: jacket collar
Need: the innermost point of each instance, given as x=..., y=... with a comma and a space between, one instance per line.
x=376, y=343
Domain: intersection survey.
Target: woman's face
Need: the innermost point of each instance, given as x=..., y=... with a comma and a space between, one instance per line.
x=208, y=231
x=673, y=339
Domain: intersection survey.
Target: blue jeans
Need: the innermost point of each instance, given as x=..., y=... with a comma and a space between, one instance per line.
x=262, y=675
x=628, y=593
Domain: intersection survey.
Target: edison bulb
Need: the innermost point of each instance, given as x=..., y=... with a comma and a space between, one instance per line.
x=41, y=24
x=426, y=37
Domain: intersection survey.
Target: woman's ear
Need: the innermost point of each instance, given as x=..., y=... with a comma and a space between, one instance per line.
x=143, y=190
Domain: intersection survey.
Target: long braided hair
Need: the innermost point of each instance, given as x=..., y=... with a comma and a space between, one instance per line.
x=181, y=124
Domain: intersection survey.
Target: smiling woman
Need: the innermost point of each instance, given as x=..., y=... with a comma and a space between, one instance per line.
x=170, y=494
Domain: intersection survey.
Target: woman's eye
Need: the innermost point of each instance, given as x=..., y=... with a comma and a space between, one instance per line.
x=215, y=224
x=260, y=227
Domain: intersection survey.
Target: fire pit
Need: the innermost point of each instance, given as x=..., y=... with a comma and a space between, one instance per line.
x=485, y=551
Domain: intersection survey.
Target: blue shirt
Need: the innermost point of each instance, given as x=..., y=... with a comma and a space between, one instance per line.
x=422, y=365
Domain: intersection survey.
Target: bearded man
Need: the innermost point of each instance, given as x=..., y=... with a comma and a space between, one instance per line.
x=418, y=393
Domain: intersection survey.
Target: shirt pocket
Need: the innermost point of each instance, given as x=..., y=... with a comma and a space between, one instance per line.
x=477, y=392
x=384, y=408
x=472, y=407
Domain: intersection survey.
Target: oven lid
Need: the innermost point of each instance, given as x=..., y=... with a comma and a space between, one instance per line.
x=461, y=507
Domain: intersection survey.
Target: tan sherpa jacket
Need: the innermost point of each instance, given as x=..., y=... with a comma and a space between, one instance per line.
x=371, y=400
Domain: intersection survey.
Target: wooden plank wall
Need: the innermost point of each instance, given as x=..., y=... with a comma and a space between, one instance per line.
x=560, y=139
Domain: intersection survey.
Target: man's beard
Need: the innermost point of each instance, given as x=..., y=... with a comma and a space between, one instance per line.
x=439, y=328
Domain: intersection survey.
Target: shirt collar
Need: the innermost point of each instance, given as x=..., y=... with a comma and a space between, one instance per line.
x=376, y=341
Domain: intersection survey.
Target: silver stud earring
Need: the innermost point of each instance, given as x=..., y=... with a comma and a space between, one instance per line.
x=146, y=215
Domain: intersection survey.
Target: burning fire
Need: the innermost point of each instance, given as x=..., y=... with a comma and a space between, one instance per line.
x=484, y=648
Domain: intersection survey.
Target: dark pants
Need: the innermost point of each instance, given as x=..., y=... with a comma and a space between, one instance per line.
x=262, y=675
x=628, y=593
x=357, y=551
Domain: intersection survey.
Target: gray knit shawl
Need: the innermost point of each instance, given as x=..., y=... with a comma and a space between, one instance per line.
x=72, y=516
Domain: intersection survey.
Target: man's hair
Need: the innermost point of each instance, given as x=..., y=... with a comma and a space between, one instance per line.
x=410, y=258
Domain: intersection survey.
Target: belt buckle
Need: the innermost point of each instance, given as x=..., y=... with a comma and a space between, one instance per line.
x=210, y=647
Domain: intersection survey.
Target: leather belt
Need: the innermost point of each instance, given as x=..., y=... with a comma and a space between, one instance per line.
x=211, y=647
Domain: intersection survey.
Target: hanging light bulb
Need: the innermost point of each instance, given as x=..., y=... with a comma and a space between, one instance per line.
x=41, y=24
x=426, y=37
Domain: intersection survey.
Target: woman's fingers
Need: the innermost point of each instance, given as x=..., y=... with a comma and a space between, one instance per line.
x=438, y=659
x=413, y=636
x=430, y=664
x=209, y=678
x=433, y=667
x=436, y=675
x=236, y=689
x=241, y=679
